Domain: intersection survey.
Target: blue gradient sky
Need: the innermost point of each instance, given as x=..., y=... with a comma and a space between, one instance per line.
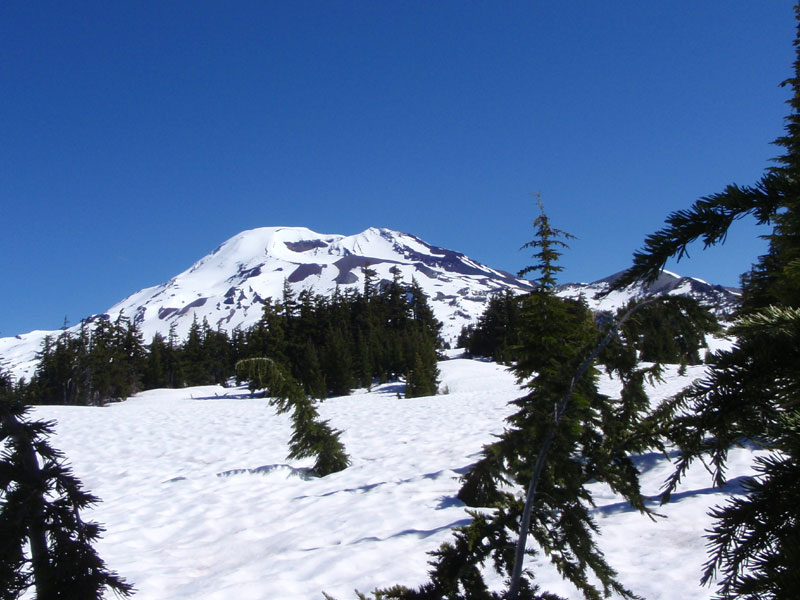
x=136, y=137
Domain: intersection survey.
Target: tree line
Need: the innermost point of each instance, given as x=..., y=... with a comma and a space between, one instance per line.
x=330, y=345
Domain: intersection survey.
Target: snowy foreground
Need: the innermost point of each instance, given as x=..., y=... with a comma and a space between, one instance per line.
x=199, y=501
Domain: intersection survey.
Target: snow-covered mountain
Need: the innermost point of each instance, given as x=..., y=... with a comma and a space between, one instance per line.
x=228, y=286
x=721, y=300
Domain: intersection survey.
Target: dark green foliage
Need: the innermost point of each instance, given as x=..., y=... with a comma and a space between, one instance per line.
x=755, y=542
x=750, y=392
x=44, y=542
x=155, y=371
x=671, y=330
x=588, y=437
x=331, y=345
x=193, y=357
x=421, y=380
x=101, y=363
x=206, y=357
x=496, y=334
x=546, y=255
x=744, y=396
x=311, y=437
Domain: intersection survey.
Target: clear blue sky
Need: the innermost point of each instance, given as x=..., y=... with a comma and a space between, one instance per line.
x=135, y=137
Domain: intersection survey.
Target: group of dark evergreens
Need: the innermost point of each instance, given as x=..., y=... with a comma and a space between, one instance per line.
x=563, y=435
x=330, y=345
x=672, y=332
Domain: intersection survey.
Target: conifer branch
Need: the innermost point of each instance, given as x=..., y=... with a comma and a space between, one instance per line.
x=558, y=414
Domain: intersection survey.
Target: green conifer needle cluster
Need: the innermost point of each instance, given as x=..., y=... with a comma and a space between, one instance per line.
x=311, y=436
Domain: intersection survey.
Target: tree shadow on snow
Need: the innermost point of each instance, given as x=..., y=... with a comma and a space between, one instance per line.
x=731, y=487
x=419, y=533
x=290, y=471
x=238, y=395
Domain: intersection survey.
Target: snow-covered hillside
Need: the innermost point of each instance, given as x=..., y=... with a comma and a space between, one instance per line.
x=228, y=287
x=200, y=502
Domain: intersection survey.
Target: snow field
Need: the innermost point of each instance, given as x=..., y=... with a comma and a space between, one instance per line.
x=200, y=502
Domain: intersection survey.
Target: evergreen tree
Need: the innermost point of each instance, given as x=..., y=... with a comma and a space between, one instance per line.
x=218, y=352
x=128, y=358
x=312, y=376
x=270, y=335
x=750, y=391
x=53, y=381
x=193, y=357
x=423, y=341
x=155, y=370
x=311, y=437
x=102, y=354
x=496, y=335
x=172, y=359
x=564, y=435
x=44, y=542
x=420, y=381
x=546, y=244
x=338, y=362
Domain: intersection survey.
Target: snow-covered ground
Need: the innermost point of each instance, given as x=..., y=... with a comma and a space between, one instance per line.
x=200, y=502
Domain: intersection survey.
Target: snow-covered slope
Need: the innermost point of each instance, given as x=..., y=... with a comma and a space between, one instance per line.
x=201, y=503
x=228, y=286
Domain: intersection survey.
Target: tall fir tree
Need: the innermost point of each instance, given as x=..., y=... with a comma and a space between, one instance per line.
x=563, y=436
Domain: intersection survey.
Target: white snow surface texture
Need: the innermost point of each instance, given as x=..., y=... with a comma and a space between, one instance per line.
x=200, y=502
